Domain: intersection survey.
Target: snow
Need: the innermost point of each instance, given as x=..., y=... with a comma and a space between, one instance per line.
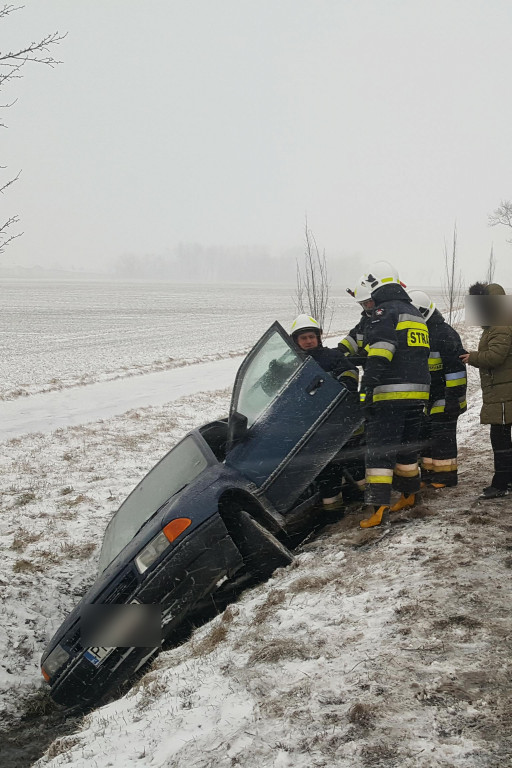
x=48, y=411
x=385, y=647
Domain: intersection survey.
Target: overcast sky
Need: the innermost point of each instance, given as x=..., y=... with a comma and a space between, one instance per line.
x=222, y=122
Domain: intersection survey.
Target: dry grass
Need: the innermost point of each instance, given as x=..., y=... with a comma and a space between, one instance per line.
x=78, y=550
x=25, y=498
x=23, y=537
x=274, y=598
x=458, y=620
x=25, y=566
x=362, y=715
x=279, y=650
x=61, y=746
x=215, y=637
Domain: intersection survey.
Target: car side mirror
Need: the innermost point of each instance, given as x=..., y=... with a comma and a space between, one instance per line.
x=237, y=429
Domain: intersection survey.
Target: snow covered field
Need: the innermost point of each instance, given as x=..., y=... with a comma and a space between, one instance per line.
x=387, y=647
x=63, y=334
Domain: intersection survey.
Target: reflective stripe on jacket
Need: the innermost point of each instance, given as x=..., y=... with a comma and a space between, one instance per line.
x=397, y=367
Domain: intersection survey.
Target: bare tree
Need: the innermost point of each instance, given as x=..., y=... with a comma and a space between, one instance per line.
x=453, y=286
x=491, y=266
x=312, y=291
x=11, y=65
x=502, y=215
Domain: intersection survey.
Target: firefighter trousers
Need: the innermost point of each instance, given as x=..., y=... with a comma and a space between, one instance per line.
x=393, y=442
x=439, y=454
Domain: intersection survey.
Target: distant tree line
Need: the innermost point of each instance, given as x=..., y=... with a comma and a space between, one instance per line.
x=191, y=262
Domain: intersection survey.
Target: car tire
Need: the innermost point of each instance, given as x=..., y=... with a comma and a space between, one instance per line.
x=261, y=551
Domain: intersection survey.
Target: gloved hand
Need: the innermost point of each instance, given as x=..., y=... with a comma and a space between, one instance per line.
x=452, y=409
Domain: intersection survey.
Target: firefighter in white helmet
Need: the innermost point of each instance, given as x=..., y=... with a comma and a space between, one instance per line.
x=394, y=389
x=307, y=334
x=354, y=343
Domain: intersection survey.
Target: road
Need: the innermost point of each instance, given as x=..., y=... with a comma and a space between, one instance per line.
x=81, y=405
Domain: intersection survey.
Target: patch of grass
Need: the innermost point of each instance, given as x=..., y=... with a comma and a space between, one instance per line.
x=478, y=520
x=458, y=620
x=376, y=754
x=24, y=537
x=61, y=746
x=39, y=703
x=25, y=498
x=279, y=650
x=25, y=566
x=208, y=644
x=77, y=550
x=362, y=715
x=274, y=598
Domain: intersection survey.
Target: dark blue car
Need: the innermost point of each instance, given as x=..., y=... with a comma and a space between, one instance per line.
x=215, y=511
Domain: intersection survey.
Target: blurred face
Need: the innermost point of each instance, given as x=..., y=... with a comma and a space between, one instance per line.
x=307, y=340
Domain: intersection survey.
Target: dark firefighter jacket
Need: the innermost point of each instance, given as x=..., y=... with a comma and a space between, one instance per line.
x=331, y=360
x=334, y=361
x=447, y=371
x=494, y=359
x=354, y=343
x=397, y=367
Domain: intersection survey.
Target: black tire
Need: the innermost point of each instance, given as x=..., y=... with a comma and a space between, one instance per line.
x=261, y=551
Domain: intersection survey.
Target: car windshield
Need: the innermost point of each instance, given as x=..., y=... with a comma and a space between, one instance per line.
x=271, y=367
x=175, y=471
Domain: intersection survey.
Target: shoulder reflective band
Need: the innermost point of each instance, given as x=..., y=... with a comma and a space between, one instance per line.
x=382, y=349
x=352, y=374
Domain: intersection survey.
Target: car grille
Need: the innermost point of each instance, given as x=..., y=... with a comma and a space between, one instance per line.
x=123, y=590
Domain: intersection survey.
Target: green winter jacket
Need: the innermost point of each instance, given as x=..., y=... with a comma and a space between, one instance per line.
x=494, y=359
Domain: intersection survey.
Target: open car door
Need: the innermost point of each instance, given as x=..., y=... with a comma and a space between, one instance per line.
x=288, y=418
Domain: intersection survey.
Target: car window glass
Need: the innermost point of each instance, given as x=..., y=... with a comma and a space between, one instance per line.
x=176, y=470
x=271, y=367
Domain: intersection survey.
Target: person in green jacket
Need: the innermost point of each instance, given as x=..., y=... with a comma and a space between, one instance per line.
x=494, y=360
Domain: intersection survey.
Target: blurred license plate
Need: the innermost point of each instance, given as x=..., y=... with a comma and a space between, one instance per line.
x=97, y=654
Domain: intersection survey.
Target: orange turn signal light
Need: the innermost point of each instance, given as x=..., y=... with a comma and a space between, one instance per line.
x=176, y=527
x=45, y=674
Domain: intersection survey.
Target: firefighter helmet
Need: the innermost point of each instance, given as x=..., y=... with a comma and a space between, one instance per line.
x=304, y=323
x=362, y=291
x=381, y=273
x=423, y=302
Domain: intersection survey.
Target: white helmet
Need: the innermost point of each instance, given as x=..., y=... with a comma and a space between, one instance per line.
x=362, y=291
x=304, y=323
x=423, y=302
x=381, y=273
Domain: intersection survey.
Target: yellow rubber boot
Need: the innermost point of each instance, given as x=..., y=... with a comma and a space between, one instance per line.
x=404, y=502
x=375, y=519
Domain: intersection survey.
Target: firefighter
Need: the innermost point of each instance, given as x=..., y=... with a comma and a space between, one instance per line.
x=447, y=398
x=394, y=390
x=354, y=344
x=307, y=334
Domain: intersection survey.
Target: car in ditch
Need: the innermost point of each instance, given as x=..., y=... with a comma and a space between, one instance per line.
x=219, y=509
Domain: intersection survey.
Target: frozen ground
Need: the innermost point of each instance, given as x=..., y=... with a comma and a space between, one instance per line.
x=56, y=335
x=388, y=647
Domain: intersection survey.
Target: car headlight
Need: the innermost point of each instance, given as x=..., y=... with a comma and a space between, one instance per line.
x=159, y=544
x=54, y=662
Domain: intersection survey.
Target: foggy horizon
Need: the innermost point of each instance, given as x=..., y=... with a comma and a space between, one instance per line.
x=221, y=127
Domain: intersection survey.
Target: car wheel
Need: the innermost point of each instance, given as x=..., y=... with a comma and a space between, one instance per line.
x=261, y=551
